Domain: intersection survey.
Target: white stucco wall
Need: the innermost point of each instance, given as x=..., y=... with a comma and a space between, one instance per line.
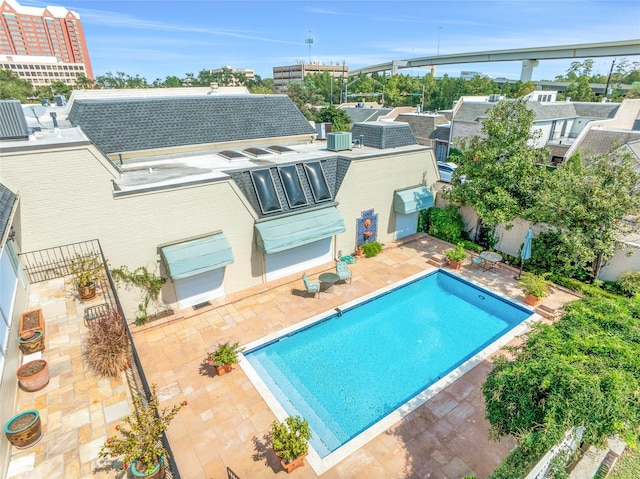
x=370, y=183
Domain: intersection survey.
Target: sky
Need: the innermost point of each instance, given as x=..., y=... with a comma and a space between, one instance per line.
x=155, y=39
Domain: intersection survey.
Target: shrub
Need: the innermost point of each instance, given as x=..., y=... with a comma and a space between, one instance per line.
x=290, y=438
x=147, y=282
x=553, y=252
x=107, y=347
x=445, y=223
x=629, y=283
x=225, y=353
x=471, y=246
x=372, y=249
x=456, y=254
x=141, y=438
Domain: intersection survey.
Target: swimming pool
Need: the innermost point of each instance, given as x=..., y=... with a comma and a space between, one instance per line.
x=346, y=371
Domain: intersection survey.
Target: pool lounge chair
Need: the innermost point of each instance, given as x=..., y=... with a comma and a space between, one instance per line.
x=343, y=271
x=311, y=286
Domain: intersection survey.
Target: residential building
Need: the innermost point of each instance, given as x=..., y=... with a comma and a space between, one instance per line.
x=559, y=123
x=295, y=73
x=246, y=72
x=242, y=171
x=42, y=71
x=41, y=32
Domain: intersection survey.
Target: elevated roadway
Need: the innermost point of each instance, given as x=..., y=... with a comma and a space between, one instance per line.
x=529, y=57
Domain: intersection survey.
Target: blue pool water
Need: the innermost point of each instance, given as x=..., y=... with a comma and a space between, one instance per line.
x=346, y=372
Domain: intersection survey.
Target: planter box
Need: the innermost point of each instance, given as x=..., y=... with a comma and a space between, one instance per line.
x=293, y=465
x=224, y=369
x=531, y=300
x=453, y=264
x=31, y=320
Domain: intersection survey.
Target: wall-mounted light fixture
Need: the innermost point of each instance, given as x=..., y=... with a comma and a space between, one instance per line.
x=12, y=234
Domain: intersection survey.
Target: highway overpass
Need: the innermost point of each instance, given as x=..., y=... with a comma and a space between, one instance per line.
x=530, y=57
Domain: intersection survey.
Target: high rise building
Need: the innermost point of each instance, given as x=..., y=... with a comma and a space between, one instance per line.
x=31, y=33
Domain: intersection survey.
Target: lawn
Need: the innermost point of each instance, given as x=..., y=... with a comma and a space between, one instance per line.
x=628, y=466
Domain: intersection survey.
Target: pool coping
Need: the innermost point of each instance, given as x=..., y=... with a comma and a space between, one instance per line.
x=321, y=465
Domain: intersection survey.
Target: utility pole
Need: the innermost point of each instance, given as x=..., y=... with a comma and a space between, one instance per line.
x=606, y=89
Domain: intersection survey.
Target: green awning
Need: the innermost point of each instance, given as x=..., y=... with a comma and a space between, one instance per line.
x=412, y=200
x=197, y=256
x=281, y=234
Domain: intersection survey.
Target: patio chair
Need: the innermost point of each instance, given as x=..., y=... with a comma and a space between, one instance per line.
x=343, y=271
x=311, y=286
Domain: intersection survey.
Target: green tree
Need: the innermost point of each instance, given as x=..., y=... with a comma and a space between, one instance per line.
x=305, y=98
x=580, y=90
x=590, y=199
x=502, y=171
x=13, y=87
x=525, y=88
x=83, y=82
x=583, y=370
x=339, y=119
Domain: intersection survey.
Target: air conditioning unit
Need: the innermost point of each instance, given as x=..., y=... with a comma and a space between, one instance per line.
x=339, y=141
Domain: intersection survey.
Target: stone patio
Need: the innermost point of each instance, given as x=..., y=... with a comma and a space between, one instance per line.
x=226, y=422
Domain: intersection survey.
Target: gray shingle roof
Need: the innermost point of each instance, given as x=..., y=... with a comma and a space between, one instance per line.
x=471, y=111
x=596, y=110
x=359, y=115
x=598, y=141
x=149, y=123
x=13, y=124
x=7, y=200
x=384, y=135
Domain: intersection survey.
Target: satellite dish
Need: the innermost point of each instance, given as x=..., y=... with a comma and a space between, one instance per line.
x=34, y=111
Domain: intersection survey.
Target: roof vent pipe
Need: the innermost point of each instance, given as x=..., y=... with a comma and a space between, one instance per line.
x=213, y=86
x=54, y=119
x=361, y=141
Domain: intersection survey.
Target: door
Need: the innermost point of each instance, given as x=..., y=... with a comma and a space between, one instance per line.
x=406, y=225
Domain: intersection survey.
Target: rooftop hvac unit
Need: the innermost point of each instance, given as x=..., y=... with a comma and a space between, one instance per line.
x=339, y=141
x=494, y=98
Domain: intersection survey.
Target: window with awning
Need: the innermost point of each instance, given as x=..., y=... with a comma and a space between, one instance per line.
x=412, y=200
x=286, y=232
x=197, y=256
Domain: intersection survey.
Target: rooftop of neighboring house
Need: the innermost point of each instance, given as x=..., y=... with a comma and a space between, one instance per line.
x=475, y=110
x=598, y=141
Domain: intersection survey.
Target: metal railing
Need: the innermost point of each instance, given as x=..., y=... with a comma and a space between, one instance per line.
x=52, y=263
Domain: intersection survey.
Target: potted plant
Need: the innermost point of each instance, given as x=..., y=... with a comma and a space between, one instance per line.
x=33, y=375
x=31, y=341
x=86, y=270
x=139, y=441
x=31, y=320
x=290, y=441
x=224, y=357
x=456, y=256
x=535, y=287
x=24, y=429
x=106, y=346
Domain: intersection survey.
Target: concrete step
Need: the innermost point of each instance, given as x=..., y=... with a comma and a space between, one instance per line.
x=594, y=460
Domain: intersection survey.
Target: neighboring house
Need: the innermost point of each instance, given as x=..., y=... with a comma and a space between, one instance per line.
x=559, y=123
x=158, y=180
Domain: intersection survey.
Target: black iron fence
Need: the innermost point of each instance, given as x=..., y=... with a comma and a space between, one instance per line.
x=52, y=263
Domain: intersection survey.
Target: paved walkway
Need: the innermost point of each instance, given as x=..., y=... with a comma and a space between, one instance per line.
x=226, y=422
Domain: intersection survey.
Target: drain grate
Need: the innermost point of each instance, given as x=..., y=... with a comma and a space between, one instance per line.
x=201, y=305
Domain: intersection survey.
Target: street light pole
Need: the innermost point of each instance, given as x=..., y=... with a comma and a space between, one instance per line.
x=382, y=84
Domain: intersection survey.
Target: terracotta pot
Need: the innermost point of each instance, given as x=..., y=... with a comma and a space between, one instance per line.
x=33, y=381
x=31, y=320
x=293, y=465
x=531, y=300
x=155, y=474
x=453, y=264
x=88, y=291
x=224, y=369
x=31, y=341
x=24, y=429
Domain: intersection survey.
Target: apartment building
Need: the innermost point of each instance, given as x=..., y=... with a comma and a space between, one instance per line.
x=33, y=37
